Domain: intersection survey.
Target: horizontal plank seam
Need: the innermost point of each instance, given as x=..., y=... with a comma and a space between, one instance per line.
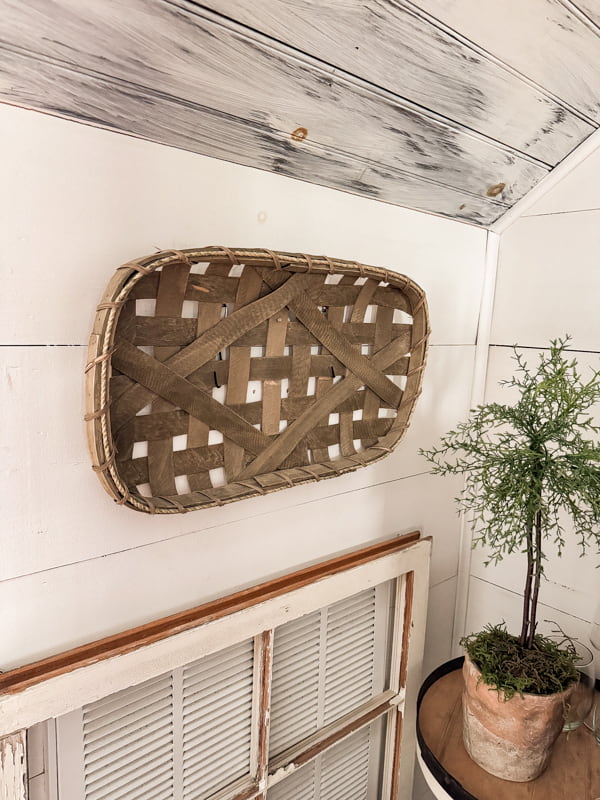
x=103, y=556
x=516, y=592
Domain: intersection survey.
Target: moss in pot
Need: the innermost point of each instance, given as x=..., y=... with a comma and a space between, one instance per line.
x=525, y=466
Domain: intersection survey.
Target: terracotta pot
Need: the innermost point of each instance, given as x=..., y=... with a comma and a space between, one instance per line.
x=511, y=739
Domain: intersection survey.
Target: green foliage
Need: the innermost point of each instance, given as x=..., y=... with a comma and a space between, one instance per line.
x=529, y=466
x=529, y=456
x=547, y=667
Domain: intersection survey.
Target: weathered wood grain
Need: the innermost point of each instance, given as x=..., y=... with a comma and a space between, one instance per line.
x=393, y=47
x=58, y=89
x=542, y=39
x=198, y=58
x=589, y=8
x=13, y=766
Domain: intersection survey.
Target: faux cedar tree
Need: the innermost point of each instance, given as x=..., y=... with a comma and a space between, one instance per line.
x=526, y=463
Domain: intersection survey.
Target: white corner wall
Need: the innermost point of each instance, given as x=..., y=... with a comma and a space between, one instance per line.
x=77, y=202
x=548, y=284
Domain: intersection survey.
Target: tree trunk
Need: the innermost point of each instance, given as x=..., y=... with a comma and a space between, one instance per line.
x=527, y=590
x=537, y=578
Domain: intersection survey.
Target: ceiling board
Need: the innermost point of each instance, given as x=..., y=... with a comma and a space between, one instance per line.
x=589, y=9
x=112, y=104
x=198, y=58
x=378, y=99
x=393, y=46
x=542, y=39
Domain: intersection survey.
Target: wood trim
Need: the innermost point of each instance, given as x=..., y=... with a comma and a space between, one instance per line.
x=13, y=766
x=480, y=367
x=397, y=751
x=408, y=613
x=300, y=754
x=409, y=585
x=264, y=705
x=17, y=680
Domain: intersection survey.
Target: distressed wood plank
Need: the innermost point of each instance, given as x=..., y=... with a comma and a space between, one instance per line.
x=13, y=766
x=196, y=57
x=434, y=69
x=542, y=39
x=116, y=106
x=589, y=8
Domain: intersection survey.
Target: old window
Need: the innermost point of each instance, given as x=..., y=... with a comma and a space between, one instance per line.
x=298, y=691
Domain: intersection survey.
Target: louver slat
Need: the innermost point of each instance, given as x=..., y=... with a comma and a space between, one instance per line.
x=299, y=786
x=217, y=714
x=349, y=659
x=142, y=717
x=322, y=668
x=140, y=693
x=136, y=724
x=150, y=744
x=134, y=778
x=113, y=748
x=295, y=697
x=345, y=769
x=117, y=713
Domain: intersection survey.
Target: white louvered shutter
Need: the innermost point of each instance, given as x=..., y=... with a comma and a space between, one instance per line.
x=193, y=734
x=349, y=656
x=217, y=718
x=326, y=665
x=299, y=786
x=295, y=684
x=185, y=735
x=348, y=771
x=345, y=769
x=128, y=744
x=323, y=667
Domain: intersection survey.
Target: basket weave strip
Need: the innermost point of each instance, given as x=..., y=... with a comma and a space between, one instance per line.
x=217, y=374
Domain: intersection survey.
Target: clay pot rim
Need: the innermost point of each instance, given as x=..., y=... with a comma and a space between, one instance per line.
x=565, y=692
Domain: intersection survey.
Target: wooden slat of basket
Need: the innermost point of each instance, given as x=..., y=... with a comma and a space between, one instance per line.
x=276, y=451
x=169, y=304
x=198, y=430
x=161, y=381
x=271, y=392
x=183, y=332
x=383, y=335
x=237, y=372
x=214, y=339
x=209, y=289
x=324, y=383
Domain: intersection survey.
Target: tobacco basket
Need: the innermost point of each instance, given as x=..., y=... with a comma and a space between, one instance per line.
x=216, y=375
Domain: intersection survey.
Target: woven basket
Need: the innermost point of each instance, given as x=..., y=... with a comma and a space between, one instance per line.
x=217, y=374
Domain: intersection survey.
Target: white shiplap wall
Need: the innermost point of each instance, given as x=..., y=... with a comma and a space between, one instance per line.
x=79, y=201
x=548, y=285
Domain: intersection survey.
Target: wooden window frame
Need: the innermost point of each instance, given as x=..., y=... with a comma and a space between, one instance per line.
x=62, y=683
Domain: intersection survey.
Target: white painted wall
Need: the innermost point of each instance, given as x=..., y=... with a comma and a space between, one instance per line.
x=548, y=284
x=77, y=202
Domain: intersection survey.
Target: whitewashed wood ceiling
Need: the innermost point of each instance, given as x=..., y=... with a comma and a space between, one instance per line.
x=457, y=107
